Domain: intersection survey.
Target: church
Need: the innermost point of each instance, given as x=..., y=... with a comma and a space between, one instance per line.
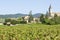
x=51, y=14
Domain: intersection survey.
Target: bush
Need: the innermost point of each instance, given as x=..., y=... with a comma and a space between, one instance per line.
x=8, y=24
x=23, y=22
x=47, y=21
x=4, y=23
x=52, y=22
x=14, y=22
x=7, y=20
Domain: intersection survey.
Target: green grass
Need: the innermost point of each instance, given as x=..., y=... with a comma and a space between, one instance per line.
x=30, y=32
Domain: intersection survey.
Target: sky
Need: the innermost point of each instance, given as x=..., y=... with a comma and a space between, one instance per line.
x=24, y=6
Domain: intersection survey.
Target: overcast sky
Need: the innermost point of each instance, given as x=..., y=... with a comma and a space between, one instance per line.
x=24, y=6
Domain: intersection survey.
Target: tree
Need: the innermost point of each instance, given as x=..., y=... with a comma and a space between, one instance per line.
x=30, y=16
x=47, y=15
x=56, y=19
x=7, y=20
x=42, y=19
x=4, y=23
x=55, y=16
x=19, y=19
x=23, y=18
x=52, y=21
x=14, y=22
x=23, y=22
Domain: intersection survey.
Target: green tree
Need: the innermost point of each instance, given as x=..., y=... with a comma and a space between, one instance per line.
x=30, y=16
x=42, y=19
x=23, y=18
x=7, y=20
x=14, y=22
x=19, y=19
x=55, y=16
x=47, y=15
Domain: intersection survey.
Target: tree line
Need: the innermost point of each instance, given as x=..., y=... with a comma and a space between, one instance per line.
x=44, y=19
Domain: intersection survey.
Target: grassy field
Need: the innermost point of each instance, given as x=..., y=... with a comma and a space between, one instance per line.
x=30, y=32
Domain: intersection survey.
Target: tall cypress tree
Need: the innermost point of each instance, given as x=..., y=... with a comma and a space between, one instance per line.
x=30, y=16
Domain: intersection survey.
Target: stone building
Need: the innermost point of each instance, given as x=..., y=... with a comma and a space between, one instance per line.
x=26, y=18
x=35, y=20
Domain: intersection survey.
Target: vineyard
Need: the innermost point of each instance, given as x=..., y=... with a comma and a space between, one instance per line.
x=30, y=32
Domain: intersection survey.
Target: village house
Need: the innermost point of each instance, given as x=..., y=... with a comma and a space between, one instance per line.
x=26, y=18
x=35, y=20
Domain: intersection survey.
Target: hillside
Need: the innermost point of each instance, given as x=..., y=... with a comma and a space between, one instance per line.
x=18, y=15
x=12, y=15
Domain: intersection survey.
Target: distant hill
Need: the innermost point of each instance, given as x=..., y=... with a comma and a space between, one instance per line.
x=37, y=15
x=12, y=15
x=18, y=15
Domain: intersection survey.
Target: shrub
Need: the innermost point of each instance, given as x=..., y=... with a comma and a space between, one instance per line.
x=23, y=22
x=13, y=22
x=7, y=20
x=47, y=21
x=52, y=22
x=8, y=24
x=4, y=23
